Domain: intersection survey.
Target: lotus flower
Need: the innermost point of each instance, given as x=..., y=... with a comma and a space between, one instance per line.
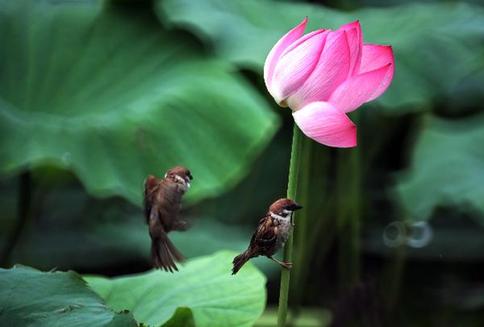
x=325, y=74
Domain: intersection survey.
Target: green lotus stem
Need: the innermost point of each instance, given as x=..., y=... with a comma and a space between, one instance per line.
x=292, y=186
x=349, y=226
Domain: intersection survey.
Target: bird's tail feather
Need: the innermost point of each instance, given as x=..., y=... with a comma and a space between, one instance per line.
x=164, y=254
x=240, y=260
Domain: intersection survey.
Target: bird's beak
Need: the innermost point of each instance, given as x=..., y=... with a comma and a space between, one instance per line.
x=295, y=207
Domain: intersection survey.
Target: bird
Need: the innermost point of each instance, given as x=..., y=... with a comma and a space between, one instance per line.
x=271, y=234
x=162, y=205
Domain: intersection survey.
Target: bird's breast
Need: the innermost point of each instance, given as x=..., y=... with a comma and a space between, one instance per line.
x=284, y=232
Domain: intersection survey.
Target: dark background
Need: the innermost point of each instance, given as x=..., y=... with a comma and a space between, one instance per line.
x=393, y=231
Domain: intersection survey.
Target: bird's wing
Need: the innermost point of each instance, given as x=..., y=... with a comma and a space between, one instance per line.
x=164, y=254
x=151, y=185
x=266, y=234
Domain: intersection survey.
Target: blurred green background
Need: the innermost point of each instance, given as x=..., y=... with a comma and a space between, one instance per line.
x=94, y=96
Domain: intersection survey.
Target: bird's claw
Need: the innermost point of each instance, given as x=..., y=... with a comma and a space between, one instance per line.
x=287, y=265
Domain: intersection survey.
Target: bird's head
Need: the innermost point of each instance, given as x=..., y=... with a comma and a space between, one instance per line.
x=180, y=175
x=283, y=208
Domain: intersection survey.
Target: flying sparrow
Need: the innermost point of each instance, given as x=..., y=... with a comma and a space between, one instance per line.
x=162, y=204
x=271, y=234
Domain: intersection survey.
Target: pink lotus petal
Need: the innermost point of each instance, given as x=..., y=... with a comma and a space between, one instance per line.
x=375, y=56
x=301, y=40
x=348, y=26
x=354, y=37
x=361, y=88
x=279, y=48
x=326, y=124
x=331, y=70
x=296, y=64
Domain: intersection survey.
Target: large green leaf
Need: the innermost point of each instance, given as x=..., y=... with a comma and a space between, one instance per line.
x=438, y=47
x=29, y=297
x=446, y=168
x=204, y=285
x=90, y=234
x=111, y=96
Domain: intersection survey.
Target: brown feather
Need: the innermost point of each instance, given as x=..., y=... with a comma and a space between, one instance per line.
x=263, y=242
x=162, y=204
x=271, y=234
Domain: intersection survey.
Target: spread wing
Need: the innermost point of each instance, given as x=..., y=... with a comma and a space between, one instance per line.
x=151, y=185
x=266, y=234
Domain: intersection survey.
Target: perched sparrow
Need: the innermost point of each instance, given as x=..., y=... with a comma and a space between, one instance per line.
x=162, y=202
x=271, y=234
